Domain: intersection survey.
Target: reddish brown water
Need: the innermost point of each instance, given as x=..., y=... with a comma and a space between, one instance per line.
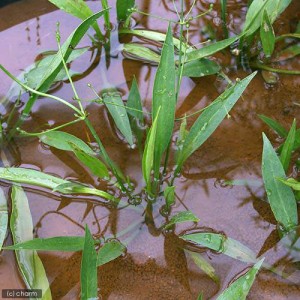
x=155, y=266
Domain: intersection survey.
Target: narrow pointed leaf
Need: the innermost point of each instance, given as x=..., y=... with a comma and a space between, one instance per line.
x=109, y=252
x=267, y=35
x=37, y=178
x=141, y=52
x=58, y=243
x=123, y=9
x=280, y=196
x=291, y=182
x=29, y=263
x=3, y=217
x=278, y=128
x=201, y=67
x=88, y=271
x=97, y=167
x=210, y=119
x=62, y=140
x=76, y=8
x=164, y=98
x=148, y=155
x=287, y=149
x=169, y=194
x=240, y=288
x=220, y=243
x=210, y=49
x=288, y=53
x=181, y=217
x=115, y=105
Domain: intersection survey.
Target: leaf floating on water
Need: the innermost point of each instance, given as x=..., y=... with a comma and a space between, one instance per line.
x=115, y=105
x=88, y=271
x=200, y=68
x=164, y=99
x=181, y=217
x=288, y=53
x=30, y=265
x=210, y=119
x=58, y=243
x=3, y=217
x=110, y=251
x=62, y=140
x=280, y=196
x=141, y=52
x=240, y=288
x=37, y=178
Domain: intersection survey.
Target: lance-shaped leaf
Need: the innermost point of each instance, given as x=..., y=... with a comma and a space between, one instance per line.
x=169, y=194
x=220, y=243
x=164, y=99
x=109, y=252
x=181, y=217
x=115, y=105
x=210, y=119
x=3, y=217
x=88, y=271
x=97, y=167
x=240, y=288
x=62, y=140
x=29, y=263
x=155, y=36
x=267, y=35
x=141, y=52
x=58, y=243
x=210, y=49
x=280, y=196
x=288, y=53
x=37, y=178
x=148, y=155
x=288, y=146
x=77, y=8
x=201, y=67
x=278, y=128
x=123, y=9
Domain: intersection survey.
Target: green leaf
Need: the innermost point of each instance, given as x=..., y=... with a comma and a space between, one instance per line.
x=29, y=263
x=135, y=111
x=204, y=265
x=148, y=155
x=110, y=251
x=62, y=140
x=141, y=52
x=164, y=99
x=287, y=149
x=210, y=119
x=278, y=128
x=181, y=217
x=210, y=50
x=240, y=288
x=123, y=9
x=200, y=68
x=114, y=103
x=88, y=271
x=288, y=53
x=267, y=35
x=220, y=243
x=97, y=167
x=58, y=243
x=291, y=182
x=169, y=194
x=77, y=8
x=3, y=217
x=37, y=178
x=155, y=36
x=280, y=196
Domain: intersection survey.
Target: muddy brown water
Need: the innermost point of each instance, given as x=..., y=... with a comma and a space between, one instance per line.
x=155, y=266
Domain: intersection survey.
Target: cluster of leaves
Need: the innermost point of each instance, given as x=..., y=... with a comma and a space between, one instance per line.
x=176, y=59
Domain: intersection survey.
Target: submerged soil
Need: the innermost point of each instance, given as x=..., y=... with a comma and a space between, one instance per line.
x=155, y=266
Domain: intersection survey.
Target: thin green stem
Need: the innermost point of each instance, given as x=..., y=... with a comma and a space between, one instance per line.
x=106, y=14
x=267, y=68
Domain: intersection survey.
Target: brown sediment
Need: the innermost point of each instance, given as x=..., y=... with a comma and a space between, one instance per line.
x=155, y=266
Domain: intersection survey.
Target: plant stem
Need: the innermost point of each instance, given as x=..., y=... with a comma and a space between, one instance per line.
x=267, y=68
x=106, y=14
